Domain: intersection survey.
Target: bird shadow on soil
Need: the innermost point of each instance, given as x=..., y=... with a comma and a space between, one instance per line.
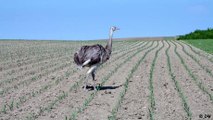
x=104, y=87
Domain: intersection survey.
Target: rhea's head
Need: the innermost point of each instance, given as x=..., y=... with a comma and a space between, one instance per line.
x=114, y=28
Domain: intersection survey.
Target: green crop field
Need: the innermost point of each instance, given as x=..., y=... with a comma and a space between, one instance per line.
x=203, y=44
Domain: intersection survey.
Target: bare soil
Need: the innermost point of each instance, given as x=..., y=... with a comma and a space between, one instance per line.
x=136, y=82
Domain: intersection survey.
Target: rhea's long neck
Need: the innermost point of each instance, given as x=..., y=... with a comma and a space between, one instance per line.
x=109, y=44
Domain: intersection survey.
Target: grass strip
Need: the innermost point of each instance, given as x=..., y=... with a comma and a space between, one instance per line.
x=198, y=53
x=203, y=44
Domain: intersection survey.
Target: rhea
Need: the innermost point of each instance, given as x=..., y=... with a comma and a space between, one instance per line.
x=93, y=56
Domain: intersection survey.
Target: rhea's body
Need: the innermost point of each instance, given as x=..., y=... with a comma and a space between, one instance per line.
x=93, y=56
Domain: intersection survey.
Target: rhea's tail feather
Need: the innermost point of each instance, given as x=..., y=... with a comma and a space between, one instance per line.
x=77, y=60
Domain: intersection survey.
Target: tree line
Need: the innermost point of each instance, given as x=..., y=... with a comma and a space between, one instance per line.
x=198, y=34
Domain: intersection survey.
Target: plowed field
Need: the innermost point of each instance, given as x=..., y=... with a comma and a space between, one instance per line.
x=149, y=80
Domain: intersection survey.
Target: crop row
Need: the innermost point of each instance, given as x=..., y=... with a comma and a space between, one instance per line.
x=151, y=88
x=36, y=57
x=130, y=75
x=16, y=103
x=127, y=47
x=34, y=78
x=192, y=75
x=177, y=85
x=36, y=68
x=196, y=60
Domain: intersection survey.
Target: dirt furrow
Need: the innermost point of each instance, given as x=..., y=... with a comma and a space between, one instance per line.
x=20, y=97
x=151, y=88
x=30, y=70
x=198, y=101
x=23, y=66
x=205, y=64
x=196, y=72
x=127, y=47
x=17, y=86
x=30, y=61
x=135, y=103
x=167, y=101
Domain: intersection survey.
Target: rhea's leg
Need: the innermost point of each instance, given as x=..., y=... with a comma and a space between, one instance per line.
x=89, y=72
x=93, y=75
x=93, y=79
x=86, y=82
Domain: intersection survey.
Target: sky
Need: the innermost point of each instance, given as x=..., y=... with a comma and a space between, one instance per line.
x=91, y=19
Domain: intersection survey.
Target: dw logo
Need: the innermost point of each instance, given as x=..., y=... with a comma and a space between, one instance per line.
x=205, y=116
